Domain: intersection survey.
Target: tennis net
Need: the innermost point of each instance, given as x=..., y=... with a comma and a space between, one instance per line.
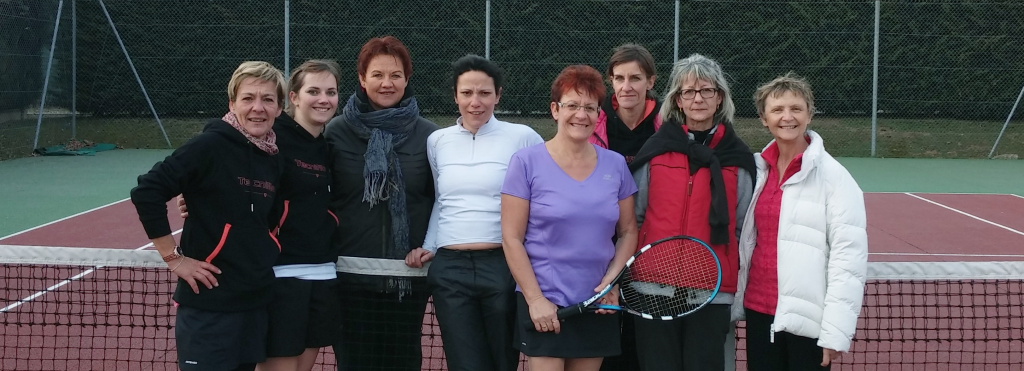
x=111, y=309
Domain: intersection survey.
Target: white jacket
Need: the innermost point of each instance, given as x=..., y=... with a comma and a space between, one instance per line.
x=822, y=250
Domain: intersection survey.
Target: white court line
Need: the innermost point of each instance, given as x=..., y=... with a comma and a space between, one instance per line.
x=63, y=219
x=947, y=193
x=927, y=254
x=67, y=281
x=1015, y=195
x=961, y=212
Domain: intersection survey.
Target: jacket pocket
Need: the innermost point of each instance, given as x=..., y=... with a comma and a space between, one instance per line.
x=220, y=244
x=336, y=221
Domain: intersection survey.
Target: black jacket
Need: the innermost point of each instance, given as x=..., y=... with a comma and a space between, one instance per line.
x=229, y=186
x=306, y=224
x=364, y=231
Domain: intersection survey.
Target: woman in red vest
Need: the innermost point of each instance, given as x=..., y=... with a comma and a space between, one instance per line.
x=695, y=177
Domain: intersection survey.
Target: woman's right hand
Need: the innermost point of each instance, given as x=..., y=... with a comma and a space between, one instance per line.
x=544, y=315
x=193, y=271
x=181, y=207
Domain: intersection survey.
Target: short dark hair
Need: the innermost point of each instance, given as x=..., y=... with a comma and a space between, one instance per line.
x=473, y=62
x=387, y=45
x=626, y=53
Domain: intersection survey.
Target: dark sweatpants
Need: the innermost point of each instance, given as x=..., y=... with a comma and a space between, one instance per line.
x=691, y=343
x=380, y=331
x=788, y=353
x=475, y=303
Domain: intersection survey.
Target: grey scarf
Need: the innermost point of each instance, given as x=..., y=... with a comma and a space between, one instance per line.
x=384, y=130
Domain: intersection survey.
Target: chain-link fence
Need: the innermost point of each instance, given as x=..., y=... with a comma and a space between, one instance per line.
x=948, y=72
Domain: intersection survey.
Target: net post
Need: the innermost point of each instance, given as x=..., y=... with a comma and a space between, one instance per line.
x=135, y=72
x=74, y=69
x=675, y=43
x=287, y=36
x=487, y=31
x=46, y=79
x=874, y=82
x=1007, y=123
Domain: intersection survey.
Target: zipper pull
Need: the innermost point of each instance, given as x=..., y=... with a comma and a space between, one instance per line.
x=689, y=187
x=251, y=208
x=771, y=333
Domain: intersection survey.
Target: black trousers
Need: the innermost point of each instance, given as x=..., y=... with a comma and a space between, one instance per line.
x=627, y=361
x=475, y=303
x=787, y=353
x=380, y=331
x=692, y=343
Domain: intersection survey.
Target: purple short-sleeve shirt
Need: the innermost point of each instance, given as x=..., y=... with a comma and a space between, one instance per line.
x=571, y=224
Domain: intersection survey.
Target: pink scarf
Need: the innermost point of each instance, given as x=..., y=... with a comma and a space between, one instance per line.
x=269, y=142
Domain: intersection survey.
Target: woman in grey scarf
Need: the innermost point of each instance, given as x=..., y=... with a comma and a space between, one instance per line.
x=383, y=194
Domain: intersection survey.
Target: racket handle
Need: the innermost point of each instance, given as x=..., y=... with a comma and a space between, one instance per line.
x=570, y=311
x=561, y=314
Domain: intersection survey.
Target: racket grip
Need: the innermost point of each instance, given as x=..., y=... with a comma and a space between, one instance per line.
x=570, y=311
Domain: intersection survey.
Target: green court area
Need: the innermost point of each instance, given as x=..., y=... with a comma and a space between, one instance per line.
x=38, y=190
x=844, y=136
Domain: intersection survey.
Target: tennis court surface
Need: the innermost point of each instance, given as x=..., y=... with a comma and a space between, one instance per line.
x=946, y=291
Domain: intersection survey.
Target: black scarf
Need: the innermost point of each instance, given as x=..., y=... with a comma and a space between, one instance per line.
x=730, y=151
x=385, y=129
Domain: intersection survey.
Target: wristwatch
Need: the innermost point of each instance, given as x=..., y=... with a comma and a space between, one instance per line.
x=174, y=255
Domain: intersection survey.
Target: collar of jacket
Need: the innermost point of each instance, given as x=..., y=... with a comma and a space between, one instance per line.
x=487, y=127
x=811, y=156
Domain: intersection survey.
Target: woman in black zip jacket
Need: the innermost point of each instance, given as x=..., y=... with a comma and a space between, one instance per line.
x=383, y=194
x=304, y=313
x=230, y=175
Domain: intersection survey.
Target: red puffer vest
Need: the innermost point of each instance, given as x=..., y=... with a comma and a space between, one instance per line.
x=678, y=204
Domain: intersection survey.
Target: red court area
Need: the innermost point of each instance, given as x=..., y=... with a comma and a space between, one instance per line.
x=74, y=317
x=901, y=227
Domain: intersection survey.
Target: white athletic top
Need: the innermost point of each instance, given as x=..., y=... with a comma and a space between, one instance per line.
x=468, y=172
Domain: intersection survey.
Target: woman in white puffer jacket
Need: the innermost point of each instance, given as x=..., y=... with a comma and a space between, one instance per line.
x=803, y=247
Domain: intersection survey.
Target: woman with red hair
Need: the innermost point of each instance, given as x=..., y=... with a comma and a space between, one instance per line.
x=561, y=203
x=383, y=193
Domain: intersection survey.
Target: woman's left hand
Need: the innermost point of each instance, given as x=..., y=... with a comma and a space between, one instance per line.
x=611, y=298
x=417, y=257
x=827, y=356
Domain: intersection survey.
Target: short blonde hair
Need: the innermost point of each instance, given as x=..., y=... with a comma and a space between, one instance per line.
x=262, y=71
x=790, y=82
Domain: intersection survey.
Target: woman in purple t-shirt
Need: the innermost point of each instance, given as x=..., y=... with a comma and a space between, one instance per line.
x=561, y=203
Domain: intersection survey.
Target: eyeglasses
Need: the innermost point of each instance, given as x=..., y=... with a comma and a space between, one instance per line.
x=706, y=93
x=573, y=106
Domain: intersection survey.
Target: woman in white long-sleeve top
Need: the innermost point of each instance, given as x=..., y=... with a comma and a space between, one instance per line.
x=803, y=248
x=473, y=289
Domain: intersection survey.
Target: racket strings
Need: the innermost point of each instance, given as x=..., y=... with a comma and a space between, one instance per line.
x=670, y=279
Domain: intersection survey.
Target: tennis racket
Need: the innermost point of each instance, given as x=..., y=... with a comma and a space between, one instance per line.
x=667, y=279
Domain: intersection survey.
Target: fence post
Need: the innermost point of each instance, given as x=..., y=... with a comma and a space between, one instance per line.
x=46, y=79
x=287, y=36
x=1007, y=123
x=874, y=83
x=136, y=73
x=487, y=31
x=74, y=69
x=675, y=45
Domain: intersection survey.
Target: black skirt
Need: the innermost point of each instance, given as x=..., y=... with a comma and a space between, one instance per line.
x=304, y=314
x=588, y=335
